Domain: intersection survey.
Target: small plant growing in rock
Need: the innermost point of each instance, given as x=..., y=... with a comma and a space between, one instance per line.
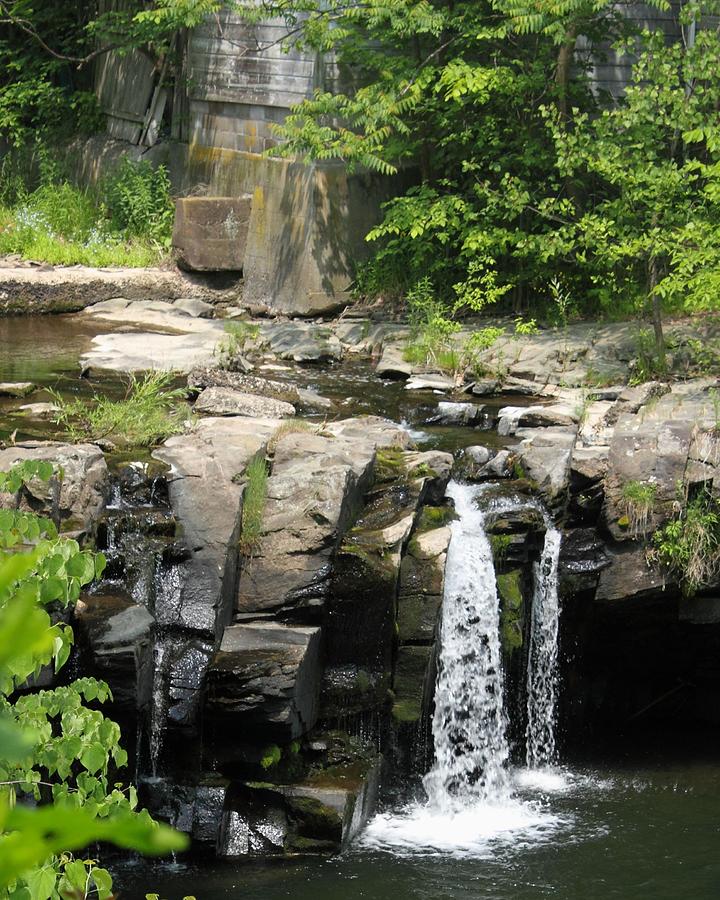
x=649, y=362
x=238, y=334
x=689, y=545
x=293, y=426
x=526, y=327
x=638, y=501
x=256, y=476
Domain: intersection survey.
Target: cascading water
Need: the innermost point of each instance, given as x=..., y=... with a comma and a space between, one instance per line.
x=542, y=674
x=470, y=805
x=469, y=723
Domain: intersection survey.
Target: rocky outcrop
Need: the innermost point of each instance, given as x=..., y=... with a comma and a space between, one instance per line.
x=265, y=680
x=207, y=501
x=314, y=492
x=32, y=289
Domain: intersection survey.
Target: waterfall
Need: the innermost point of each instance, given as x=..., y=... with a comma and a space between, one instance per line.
x=469, y=722
x=542, y=675
x=471, y=807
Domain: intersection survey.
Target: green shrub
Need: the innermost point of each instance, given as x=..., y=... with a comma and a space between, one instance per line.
x=59, y=756
x=689, y=545
x=138, y=202
x=127, y=221
x=149, y=412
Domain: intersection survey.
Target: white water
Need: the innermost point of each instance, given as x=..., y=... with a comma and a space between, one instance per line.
x=542, y=672
x=469, y=725
x=471, y=809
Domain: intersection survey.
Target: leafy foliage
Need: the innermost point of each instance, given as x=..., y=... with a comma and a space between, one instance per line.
x=126, y=221
x=58, y=754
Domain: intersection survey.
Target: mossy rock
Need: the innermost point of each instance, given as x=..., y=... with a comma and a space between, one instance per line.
x=314, y=819
x=411, y=672
x=390, y=465
x=512, y=605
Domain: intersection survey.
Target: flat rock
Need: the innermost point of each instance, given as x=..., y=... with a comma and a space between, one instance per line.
x=267, y=677
x=16, y=388
x=146, y=351
x=392, y=363
x=39, y=410
x=543, y=416
x=219, y=401
x=194, y=307
x=430, y=382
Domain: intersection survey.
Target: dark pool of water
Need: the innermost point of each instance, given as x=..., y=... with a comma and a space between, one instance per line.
x=629, y=833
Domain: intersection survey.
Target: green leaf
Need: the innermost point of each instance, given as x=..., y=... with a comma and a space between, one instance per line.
x=41, y=883
x=94, y=757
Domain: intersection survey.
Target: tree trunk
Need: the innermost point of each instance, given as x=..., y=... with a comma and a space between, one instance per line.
x=653, y=280
x=562, y=69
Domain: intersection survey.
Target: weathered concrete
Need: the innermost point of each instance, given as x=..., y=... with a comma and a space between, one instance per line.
x=210, y=233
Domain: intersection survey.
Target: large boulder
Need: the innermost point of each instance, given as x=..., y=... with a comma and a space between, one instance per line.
x=206, y=500
x=117, y=633
x=266, y=676
x=314, y=492
x=652, y=453
x=545, y=455
x=628, y=574
x=76, y=498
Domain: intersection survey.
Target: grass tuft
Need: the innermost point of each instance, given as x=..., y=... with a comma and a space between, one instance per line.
x=149, y=412
x=256, y=476
x=638, y=501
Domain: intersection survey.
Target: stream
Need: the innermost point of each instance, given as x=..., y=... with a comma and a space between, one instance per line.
x=615, y=819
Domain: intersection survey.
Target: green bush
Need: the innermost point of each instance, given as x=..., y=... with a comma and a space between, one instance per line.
x=127, y=221
x=138, y=202
x=689, y=545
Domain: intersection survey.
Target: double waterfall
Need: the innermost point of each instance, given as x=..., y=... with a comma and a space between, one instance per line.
x=469, y=725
